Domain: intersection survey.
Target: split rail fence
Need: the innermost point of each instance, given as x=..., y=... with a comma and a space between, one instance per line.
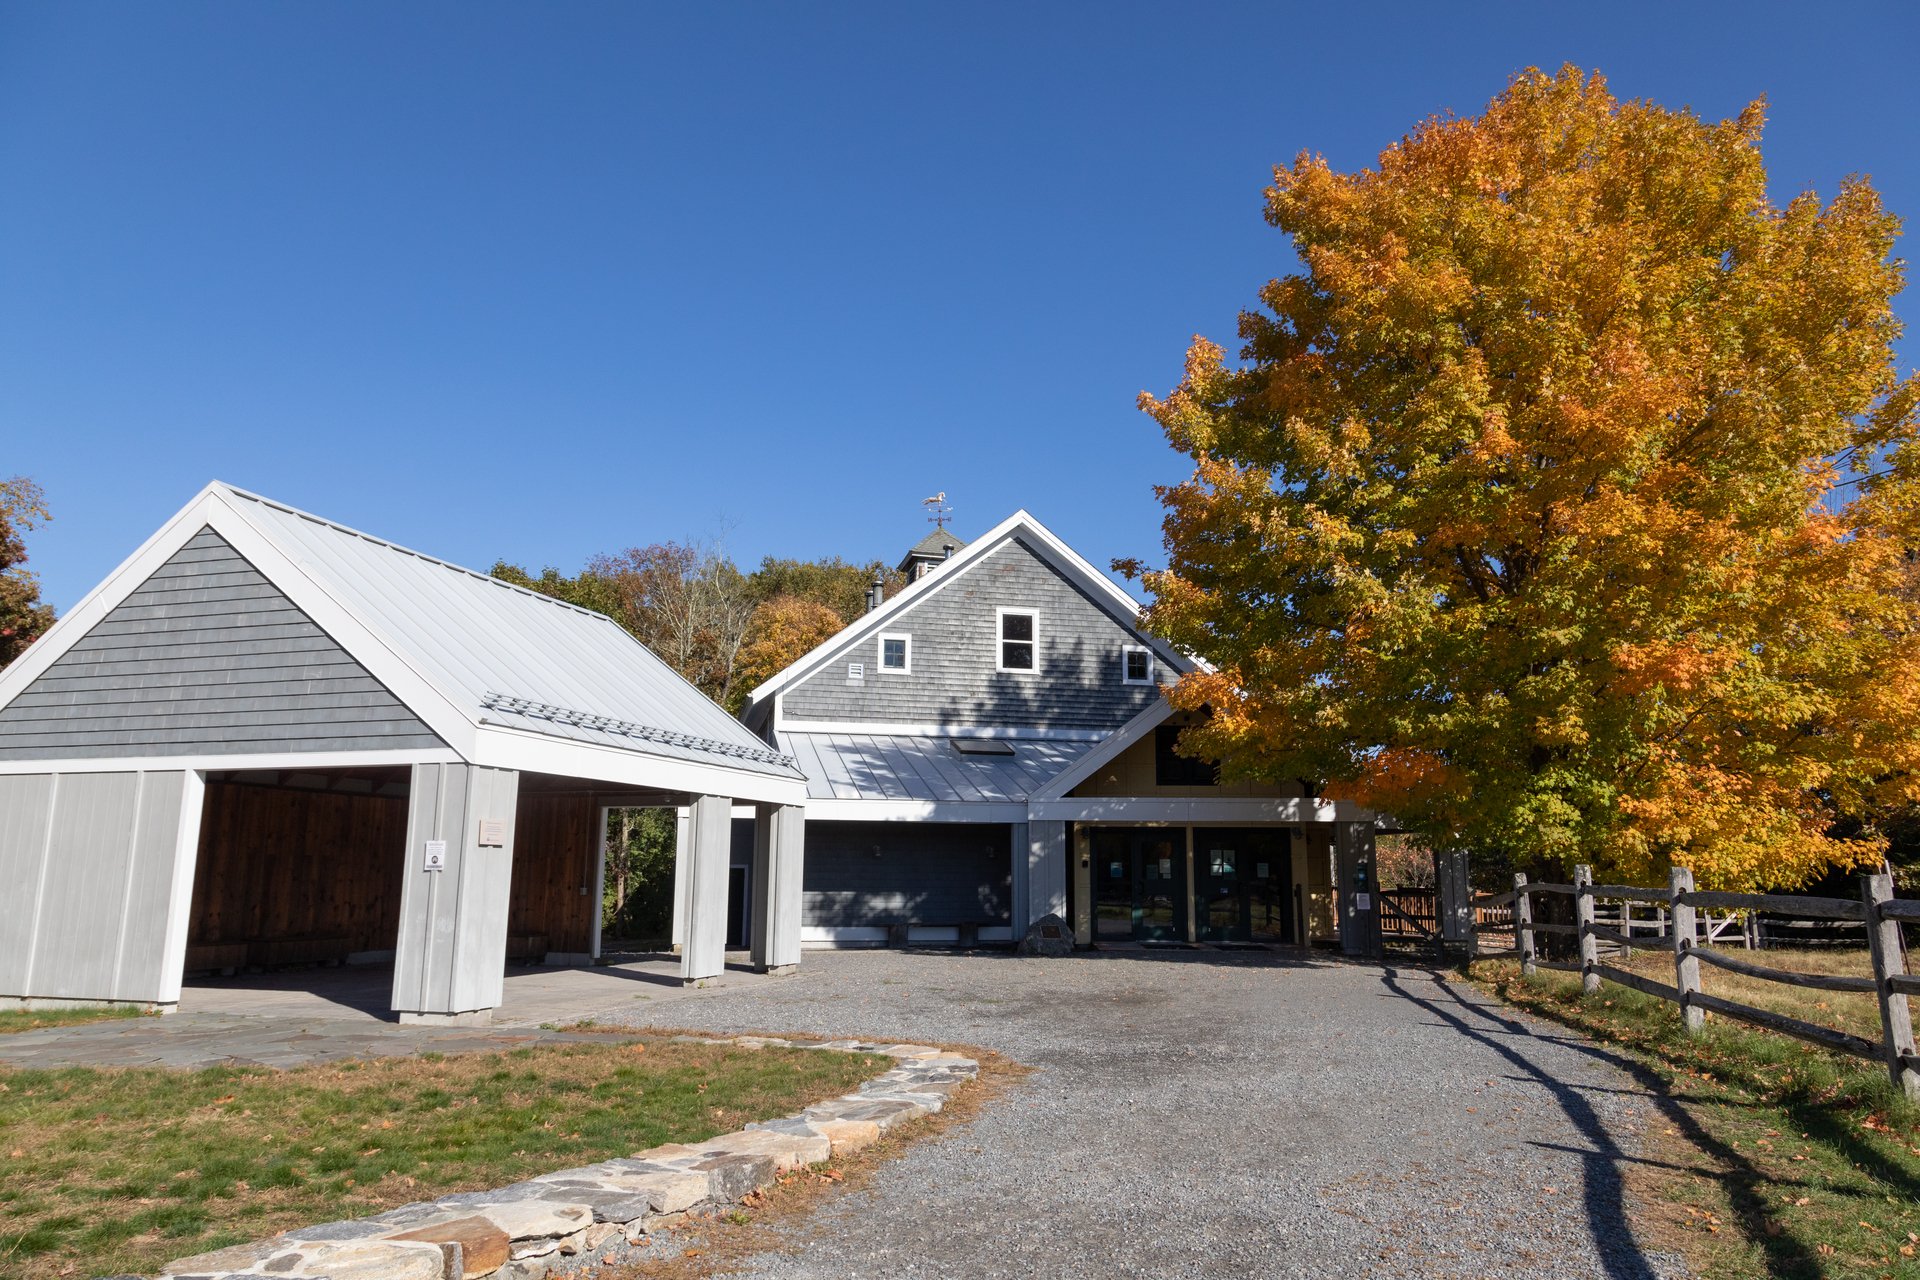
x=1680, y=908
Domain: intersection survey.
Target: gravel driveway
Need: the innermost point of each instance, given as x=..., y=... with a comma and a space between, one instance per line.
x=1219, y=1114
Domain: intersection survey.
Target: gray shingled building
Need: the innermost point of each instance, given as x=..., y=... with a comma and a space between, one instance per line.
x=992, y=746
x=269, y=739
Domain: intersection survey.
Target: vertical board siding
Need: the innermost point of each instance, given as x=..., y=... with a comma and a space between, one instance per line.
x=88, y=858
x=955, y=644
x=26, y=816
x=554, y=847
x=450, y=951
x=206, y=656
x=888, y=873
x=90, y=861
x=276, y=862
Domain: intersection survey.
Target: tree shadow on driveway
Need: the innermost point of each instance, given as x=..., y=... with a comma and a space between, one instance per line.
x=1605, y=1162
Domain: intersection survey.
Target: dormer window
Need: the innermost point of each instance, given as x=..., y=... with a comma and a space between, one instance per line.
x=896, y=654
x=1019, y=640
x=1136, y=664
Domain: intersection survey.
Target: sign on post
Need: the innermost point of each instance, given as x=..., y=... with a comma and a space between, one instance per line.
x=436, y=856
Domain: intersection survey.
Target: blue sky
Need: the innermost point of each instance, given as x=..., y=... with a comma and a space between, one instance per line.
x=536, y=281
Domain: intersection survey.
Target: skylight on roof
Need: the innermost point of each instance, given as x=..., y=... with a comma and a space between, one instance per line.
x=982, y=747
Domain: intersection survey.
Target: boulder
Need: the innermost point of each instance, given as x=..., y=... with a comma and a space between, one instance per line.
x=1048, y=936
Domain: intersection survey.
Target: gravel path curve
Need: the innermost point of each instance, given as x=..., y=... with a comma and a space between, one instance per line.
x=1220, y=1114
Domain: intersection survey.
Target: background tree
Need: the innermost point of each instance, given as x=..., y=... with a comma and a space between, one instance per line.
x=23, y=615
x=1560, y=504
x=685, y=601
x=834, y=583
x=784, y=630
x=588, y=590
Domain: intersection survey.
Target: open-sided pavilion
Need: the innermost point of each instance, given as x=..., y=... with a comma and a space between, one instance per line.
x=270, y=739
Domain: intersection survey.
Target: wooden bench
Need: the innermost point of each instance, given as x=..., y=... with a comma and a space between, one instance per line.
x=271, y=953
x=223, y=958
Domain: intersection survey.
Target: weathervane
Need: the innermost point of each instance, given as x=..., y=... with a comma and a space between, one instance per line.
x=937, y=509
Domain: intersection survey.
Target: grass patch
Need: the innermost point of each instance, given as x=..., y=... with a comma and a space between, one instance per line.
x=1770, y=1157
x=125, y=1169
x=34, y=1019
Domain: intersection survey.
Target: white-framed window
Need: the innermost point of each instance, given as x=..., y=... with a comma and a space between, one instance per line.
x=896, y=653
x=1136, y=664
x=1017, y=632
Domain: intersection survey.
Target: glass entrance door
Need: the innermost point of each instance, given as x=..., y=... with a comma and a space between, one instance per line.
x=1242, y=882
x=1140, y=884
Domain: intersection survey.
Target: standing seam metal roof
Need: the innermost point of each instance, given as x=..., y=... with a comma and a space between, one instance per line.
x=512, y=657
x=864, y=766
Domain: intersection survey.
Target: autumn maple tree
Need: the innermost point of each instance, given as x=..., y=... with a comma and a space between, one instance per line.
x=783, y=630
x=23, y=615
x=1563, y=503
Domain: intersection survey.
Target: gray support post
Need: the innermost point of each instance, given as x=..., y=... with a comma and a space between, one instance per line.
x=1523, y=924
x=1454, y=886
x=1896, y=1018
x=779, y=843
x=599, y=877
x=1583, y=920
x=1046, y=859
x=1686, y=965
x=682, y=877
x=1083, y=885
x=449, y=961
x=703, y=953
x=1022, y=872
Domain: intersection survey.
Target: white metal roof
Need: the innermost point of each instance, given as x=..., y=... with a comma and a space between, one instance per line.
x=493, y=668
x=844, y=766
x=512, y=656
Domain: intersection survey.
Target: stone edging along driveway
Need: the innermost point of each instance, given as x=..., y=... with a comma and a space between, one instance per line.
x=595, y=1215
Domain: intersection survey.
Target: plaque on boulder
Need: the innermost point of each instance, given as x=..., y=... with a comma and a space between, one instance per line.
x=1048, y=936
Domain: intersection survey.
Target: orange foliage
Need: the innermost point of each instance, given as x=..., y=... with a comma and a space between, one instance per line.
x=1564, y=504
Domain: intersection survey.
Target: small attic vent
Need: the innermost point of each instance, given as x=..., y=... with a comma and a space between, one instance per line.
x=982, y=747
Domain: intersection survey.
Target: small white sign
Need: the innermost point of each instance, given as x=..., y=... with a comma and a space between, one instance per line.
x=493, y=832
x=1363, y=902
x=436, y=856
x=1262, y=872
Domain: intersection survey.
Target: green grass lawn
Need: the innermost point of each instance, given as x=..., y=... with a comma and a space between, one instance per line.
x=106, y=1171
x=1774, y=1158
x=34, y=1019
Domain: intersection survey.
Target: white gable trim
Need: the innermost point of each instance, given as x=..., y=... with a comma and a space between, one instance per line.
x=894, y=729
x=1118, y=741
x=1018, y=525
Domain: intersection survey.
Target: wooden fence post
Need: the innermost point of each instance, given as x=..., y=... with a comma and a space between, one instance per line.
x=1583, y=920
x=1523, y=923
x=1896, y=1020
x=1686, y=966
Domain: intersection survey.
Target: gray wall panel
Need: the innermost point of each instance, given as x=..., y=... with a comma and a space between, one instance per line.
x=206, y=656
x=149, y=890
x=77, y=935
x=953, y=680
x=26, y=810
x=922, y=873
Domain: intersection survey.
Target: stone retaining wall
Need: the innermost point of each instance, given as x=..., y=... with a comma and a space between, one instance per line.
x=598, y=1214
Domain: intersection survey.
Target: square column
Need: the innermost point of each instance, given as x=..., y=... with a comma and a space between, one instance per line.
x=703, y=862
x=450, y=958
x=1043, y=857
x=779, y=847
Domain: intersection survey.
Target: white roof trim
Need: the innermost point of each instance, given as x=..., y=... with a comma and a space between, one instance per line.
x=1117, y=742
x=1019, y=524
